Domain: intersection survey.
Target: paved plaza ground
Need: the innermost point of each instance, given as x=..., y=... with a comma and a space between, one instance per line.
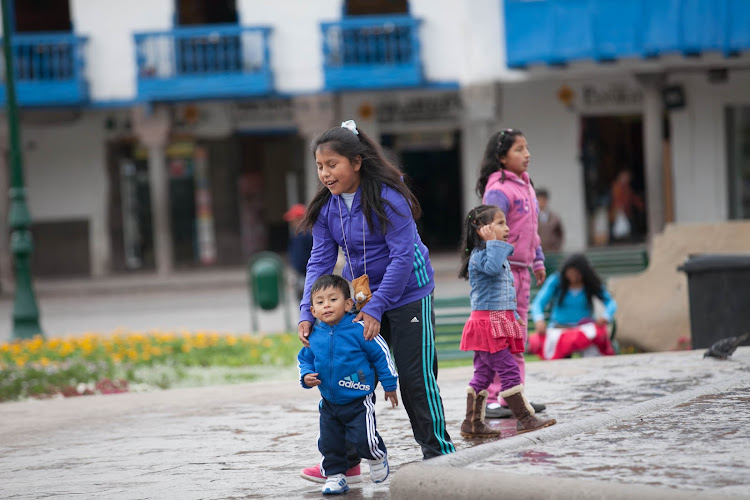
x=658, y=425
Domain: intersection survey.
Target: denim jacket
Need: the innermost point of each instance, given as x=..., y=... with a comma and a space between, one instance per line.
x=491, y=279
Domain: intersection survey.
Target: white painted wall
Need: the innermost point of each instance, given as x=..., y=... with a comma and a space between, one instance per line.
x=553, y=133
x=460, y=41
x=699, y=145
x=296, y=40
x=65, y=168
x=110, y=55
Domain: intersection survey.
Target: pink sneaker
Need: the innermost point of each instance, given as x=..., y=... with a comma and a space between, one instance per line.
x=353, y=475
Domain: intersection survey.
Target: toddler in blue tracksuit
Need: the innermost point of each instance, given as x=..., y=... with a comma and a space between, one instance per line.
x=346, y=368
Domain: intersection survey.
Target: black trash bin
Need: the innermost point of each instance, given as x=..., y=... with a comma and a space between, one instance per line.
x=719, y=291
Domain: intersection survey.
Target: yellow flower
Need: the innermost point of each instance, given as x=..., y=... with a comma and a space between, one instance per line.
x=66, y=348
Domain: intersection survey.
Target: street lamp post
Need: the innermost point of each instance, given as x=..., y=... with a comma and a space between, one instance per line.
x=25, y=311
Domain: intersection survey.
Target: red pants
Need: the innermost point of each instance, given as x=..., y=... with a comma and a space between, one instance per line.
x=560, y=343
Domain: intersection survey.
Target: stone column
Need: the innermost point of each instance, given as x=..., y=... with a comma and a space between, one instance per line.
x=152, y=129
x=481, y=103
x=653, y=116
x=313, y=115
x=6, y=259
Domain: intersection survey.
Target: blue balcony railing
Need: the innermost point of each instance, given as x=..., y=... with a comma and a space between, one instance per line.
x=372, y=52
x=561, y=31
x=49, y=69
x=203, y=62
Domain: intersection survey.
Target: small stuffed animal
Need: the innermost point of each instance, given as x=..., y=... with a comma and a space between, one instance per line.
x=362, y=293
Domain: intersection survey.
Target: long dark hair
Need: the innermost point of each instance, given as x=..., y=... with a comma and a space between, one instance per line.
x=478, y=217
x=592, y=284
x=497, y=147
x=377, y=169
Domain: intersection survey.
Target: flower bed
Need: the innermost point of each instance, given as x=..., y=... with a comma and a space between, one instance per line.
x=123, y=361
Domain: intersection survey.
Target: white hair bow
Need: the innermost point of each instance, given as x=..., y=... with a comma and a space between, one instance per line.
x=351, y=126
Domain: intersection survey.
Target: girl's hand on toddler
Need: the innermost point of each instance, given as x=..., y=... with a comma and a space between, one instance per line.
x=486, y=233
x=311, y=380
x=393, y=397
x=372, y=326
x=303, y=331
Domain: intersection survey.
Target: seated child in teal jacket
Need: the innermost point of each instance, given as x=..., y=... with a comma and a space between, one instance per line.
x=346, y=368
x=573, y=326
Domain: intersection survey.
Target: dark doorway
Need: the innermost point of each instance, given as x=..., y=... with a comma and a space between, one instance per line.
x=268, y=163
x=129, y=211
x=42, y=15
x=374, y=7
x=432, y=164
x=208, y=54
x=45, y=60
x=192, y=12
x=614, y=184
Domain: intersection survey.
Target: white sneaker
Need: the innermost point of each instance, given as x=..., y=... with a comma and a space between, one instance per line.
x=335, y=485
x=379, y=469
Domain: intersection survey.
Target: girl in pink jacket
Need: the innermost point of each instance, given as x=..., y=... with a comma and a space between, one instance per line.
x=504, y=182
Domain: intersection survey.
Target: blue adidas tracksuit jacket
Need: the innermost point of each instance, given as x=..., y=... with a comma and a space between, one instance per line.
x=347, y=365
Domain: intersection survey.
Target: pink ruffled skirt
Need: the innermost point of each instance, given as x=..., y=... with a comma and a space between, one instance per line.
x=492, y=331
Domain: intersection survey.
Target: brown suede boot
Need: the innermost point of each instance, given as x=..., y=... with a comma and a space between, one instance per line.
x=523, y=411
x=473, y=426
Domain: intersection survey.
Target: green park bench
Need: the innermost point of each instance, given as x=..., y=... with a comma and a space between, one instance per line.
x=451, y=313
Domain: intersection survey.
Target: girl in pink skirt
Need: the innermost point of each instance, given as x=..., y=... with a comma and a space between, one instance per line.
x=493, y=330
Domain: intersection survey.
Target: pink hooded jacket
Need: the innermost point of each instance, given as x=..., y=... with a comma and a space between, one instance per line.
x=517, y=198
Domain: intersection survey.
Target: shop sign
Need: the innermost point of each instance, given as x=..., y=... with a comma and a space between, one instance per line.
x=430, y=109
x=262, y=114
x=610, y=97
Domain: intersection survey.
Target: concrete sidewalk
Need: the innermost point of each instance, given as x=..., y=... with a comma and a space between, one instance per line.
x=664, y=425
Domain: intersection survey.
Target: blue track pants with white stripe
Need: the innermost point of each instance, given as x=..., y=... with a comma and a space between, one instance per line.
x=350, y=424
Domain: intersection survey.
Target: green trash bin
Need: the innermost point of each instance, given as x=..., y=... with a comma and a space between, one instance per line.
x=266, y=284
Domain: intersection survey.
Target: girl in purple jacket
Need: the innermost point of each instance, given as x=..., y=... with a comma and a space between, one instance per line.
x=364, y=207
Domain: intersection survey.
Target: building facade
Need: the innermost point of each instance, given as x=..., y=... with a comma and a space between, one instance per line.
x=164, y=135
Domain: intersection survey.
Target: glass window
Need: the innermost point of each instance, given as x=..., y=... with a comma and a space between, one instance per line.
x=738, y=153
